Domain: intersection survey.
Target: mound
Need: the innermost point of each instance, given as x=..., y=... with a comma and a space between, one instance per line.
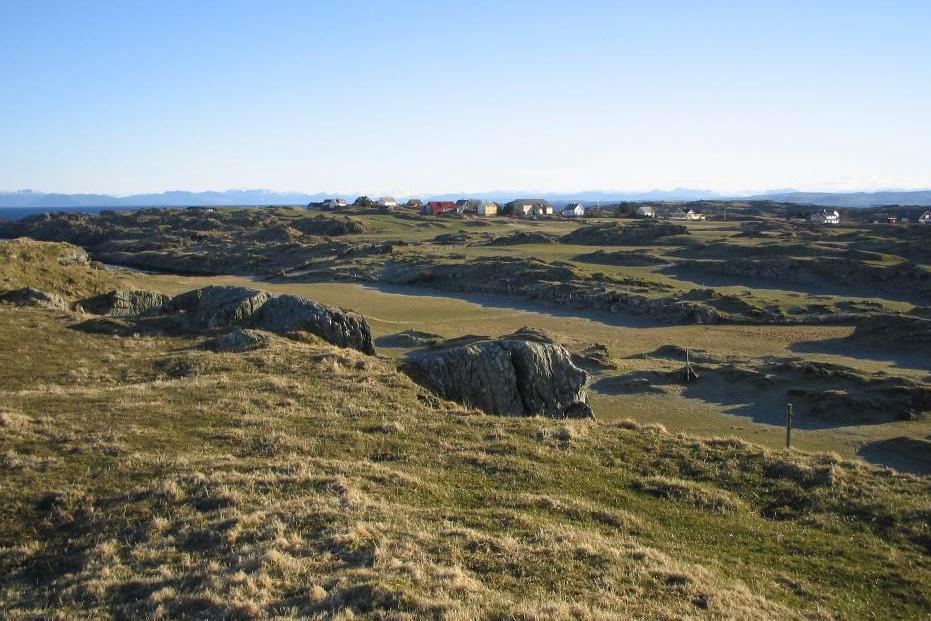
x=330, y=226
x=617, y=234
x=52, y=267
x=522, y=237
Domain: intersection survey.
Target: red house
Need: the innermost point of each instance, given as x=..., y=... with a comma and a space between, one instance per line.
x=435, y=208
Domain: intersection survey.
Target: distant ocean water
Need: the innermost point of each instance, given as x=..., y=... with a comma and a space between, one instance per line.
x=17, y=213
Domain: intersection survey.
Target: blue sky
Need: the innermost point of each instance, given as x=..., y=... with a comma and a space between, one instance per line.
x=419, y=97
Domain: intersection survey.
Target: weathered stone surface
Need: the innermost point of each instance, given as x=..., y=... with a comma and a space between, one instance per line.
x=287, y=313
x=240, y=340
x=122, y=303
x=28, y=296
x=222, y=306
x=218, y=306
x=509, y=376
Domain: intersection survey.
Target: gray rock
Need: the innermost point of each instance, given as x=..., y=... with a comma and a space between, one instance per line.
x=509, y=376
x=221, y=306
x=288, y=313
x=120, y=303
x=218, y=306
x=29, y=296
x=240, y=340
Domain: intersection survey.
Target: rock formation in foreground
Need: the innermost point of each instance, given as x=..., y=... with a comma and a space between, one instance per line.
x=510, y=376
x=220, y=308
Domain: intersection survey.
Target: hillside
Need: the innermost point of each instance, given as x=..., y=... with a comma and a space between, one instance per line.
x=148, y=476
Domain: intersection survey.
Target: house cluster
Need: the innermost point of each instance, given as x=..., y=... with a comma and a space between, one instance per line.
x=925, y=218
x=520, y=207
x=677, y=213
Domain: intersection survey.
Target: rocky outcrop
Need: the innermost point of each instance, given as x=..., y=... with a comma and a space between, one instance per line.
x=29, y=296
x=122, y=303
x=223, y=307
x=510, y=376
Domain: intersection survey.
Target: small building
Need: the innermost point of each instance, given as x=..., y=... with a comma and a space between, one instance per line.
x=925, y=218
x=488, y=208
x=330, y=204
x=573, y=210
x=387, y=201
x=435, y=208
x=645, y=211
x=825, y=216
x=530, y=207
x=416, y=203
x=891, y=220
x=686, y=214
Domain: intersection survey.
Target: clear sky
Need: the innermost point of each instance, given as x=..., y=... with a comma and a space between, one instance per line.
x=442, y=96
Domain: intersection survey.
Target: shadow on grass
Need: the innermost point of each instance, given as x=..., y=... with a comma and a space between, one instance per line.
x=845, y=347
x=902, y=453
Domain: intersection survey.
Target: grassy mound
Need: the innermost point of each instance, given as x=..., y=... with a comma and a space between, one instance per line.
x=54, y=267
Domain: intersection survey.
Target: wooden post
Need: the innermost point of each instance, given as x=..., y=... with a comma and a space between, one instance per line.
x=788, y=425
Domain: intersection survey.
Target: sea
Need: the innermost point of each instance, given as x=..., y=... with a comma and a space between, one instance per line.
x=17, y=213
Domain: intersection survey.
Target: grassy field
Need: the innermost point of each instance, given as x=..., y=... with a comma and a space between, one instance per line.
x=397, y=309
x=150, y=477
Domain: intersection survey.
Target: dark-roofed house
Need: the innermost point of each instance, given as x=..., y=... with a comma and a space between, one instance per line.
x=330, y=204
x=530, y=207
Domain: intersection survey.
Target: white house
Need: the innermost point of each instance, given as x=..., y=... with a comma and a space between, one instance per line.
x=332, y=204
x=387, y=201
x=924, y=218
x=686, y=214
x=826, y=216
x=573, y=210
x=646, y=211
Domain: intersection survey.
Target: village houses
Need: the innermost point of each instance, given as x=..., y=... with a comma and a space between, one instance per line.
x=645, y=211
x=530, y=207
x=925, y=218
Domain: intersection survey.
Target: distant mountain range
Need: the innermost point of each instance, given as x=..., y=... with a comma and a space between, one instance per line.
x=31, y=199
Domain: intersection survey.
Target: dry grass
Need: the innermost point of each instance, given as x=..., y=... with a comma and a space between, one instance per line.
x=300, y=481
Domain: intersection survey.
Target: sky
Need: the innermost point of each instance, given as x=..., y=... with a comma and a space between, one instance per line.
x=438, y=96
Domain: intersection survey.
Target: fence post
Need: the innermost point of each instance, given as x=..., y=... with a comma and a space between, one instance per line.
x=789, y=426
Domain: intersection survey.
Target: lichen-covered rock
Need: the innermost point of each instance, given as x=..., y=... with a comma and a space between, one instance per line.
x=240, y=340
x=122, y=303
x=509, y=376
x=29, y=296
x=288, y=313
x=218, y=306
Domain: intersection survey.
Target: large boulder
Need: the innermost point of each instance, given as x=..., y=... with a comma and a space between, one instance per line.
x=29, y=296
x=218, y=306
x=122, y=303
x=512, y=376
x=289, y=313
